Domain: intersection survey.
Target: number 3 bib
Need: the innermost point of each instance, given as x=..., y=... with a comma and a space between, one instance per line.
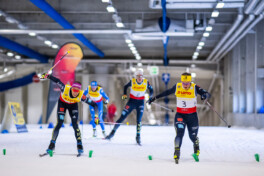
x=186, y=99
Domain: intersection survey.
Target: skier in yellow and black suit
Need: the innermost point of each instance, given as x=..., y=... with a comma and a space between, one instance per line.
x=69, y=98
x=138, y=85
x=186, y=94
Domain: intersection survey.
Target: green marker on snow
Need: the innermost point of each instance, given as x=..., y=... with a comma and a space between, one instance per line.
x=90, y=154
x=195, y=157
x=150, y=157
x=257, y=157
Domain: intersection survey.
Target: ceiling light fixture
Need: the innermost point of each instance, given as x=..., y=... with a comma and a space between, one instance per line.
x=10, y=54
x=32, y=34
x=138, y=57
x=110, y=9
x=220, y=5
x=47, y=42
x=206, y=34
x=209, y=28
x=215, y=13
x=201, y=43
x=120, y=25
x=196, y=53
x=199, y=47
x=11, y=20
x=193, y=65
x=17, y=57
x=133, y=48
x=106, y=1
x=135, y=52
x=54, y=46
x=128, y=41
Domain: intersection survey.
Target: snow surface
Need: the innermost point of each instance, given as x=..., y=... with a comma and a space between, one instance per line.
x=223, y=152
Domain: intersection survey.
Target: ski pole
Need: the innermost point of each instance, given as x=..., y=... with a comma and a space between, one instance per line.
x=58, y=61
x=217, y=114
x=163, y=107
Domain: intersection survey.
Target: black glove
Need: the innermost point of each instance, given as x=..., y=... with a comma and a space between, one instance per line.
x=151, y=99
x=205, y=96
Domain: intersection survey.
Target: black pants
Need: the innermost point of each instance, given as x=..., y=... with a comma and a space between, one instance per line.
x=73, y=111
x=130, y=106
x=183, y=120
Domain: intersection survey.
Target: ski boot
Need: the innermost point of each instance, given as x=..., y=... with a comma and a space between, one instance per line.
x=94, y=133
x=177, y=155
x=196, y=150
x=51, y=147
x=110, y=135
x=104, y=134
x=138, y=139
x=80, y=147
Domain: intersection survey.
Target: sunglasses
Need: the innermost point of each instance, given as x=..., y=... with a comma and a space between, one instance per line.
x=186, y=83
x=139, y=76
x=75, y=90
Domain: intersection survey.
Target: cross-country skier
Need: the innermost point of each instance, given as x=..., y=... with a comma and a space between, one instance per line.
x=138, y=85
x=96, y=93
x=69, y=98
x=186, y=94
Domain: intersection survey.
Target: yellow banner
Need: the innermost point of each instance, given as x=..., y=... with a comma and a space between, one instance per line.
x=16, y=113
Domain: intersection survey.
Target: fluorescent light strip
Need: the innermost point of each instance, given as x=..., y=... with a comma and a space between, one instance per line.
x=195, y=53
x=220, y=5
x=47, y=42
x=54, y=46
x=10, y=54
x=138, y=58
x=215, y=13
x=133, y=48
x=209, y=28
x=120, y=25
x=199, y=47
x=201, y=43
x=206, y=34
x=134, y=52
x=106, y=1
x=32, y=34
x=110, y=9
x=18, y=57
x=128, y=41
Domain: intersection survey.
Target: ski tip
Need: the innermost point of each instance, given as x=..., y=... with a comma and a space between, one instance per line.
x=44, y=154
